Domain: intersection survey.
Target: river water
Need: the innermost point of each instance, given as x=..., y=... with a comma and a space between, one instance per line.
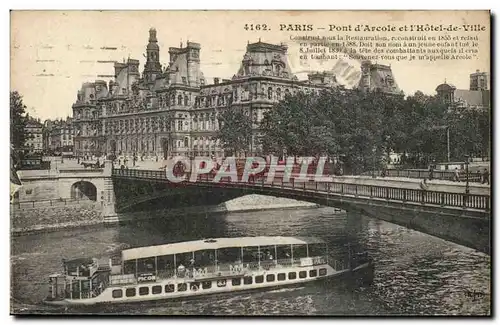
x=415, y=274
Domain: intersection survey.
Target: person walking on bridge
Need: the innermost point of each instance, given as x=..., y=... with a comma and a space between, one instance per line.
x=423, y=184
x=486, y=177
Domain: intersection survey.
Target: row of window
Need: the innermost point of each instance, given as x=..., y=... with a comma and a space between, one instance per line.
x=195, y=286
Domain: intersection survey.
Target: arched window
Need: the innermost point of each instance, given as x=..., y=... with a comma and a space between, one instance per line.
x=278, y=94
x=186, y=142
x=270, y=93
x=179, y=100
x=287, y=92
x=186, y=100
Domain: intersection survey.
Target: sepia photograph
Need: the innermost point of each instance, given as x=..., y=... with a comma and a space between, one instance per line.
x=250, y=163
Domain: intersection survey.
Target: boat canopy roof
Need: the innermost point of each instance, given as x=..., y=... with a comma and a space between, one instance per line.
x=215, y=243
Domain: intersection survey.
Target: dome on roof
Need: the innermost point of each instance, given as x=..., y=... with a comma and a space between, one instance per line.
x=445, y=87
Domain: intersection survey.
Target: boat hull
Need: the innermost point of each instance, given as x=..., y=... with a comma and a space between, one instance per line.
x=362, y=275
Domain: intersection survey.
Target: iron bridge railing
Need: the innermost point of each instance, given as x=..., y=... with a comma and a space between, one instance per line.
x=324, y=189
x=447, y=175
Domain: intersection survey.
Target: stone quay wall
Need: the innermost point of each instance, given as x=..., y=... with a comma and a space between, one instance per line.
x=44, y=218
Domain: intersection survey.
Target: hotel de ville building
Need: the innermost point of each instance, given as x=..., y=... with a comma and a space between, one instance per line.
x=173, y=110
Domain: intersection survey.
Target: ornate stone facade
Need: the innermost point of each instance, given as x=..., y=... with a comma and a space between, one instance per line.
x=172, y=110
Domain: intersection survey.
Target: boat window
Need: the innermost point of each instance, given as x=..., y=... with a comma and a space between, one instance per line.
x=318, y=249
x=220, y=284
x=208, y=284
x=302, y=274
x=143, y=291
x=97, y=279
x=283, y=252
x=313, y=273
x=259, y=279
x=322, y=271
x=67, y=291
x=292, y=276
x=236, y=282
x=84, y=270
x=118, y=293
x=76, y=289
x=129, y=267
x=165, y=266
x=270, y=278
x=184, y=259
x=299, y=251
x=247, y=280
x=170, y=287
x=251, y=254
x=281, y=276
x=194, y=286
x=229, y=255
x=204, y=258
x=85, y=288
x=180, y=287
x=130, y=292
x=156, y=290
x=267, y=253
x=146, y=265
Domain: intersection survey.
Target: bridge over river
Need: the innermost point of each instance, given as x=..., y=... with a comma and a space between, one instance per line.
x=444, y=211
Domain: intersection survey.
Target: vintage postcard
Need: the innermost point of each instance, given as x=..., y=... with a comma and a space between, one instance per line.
x=250, y=163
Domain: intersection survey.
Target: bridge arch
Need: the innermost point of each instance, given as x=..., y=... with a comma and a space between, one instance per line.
x=83, y=190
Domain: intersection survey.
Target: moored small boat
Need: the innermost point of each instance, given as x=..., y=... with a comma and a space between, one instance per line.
x=196, y=268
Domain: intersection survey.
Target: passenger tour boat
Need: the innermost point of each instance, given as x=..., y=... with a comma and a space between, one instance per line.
x=195, y=268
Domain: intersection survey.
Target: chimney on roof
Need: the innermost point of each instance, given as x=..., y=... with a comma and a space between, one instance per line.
x=477, y=70
x=216, y=81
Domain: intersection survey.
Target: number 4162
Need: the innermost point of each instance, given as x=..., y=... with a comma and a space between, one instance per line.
x=256, y=27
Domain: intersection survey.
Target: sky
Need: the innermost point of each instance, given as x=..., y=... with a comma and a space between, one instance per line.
x=54, y=52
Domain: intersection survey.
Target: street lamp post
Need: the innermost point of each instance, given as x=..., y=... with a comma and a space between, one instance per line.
x=374, y=161
x=466, y=196
x=466, y=174
x=448, y=142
